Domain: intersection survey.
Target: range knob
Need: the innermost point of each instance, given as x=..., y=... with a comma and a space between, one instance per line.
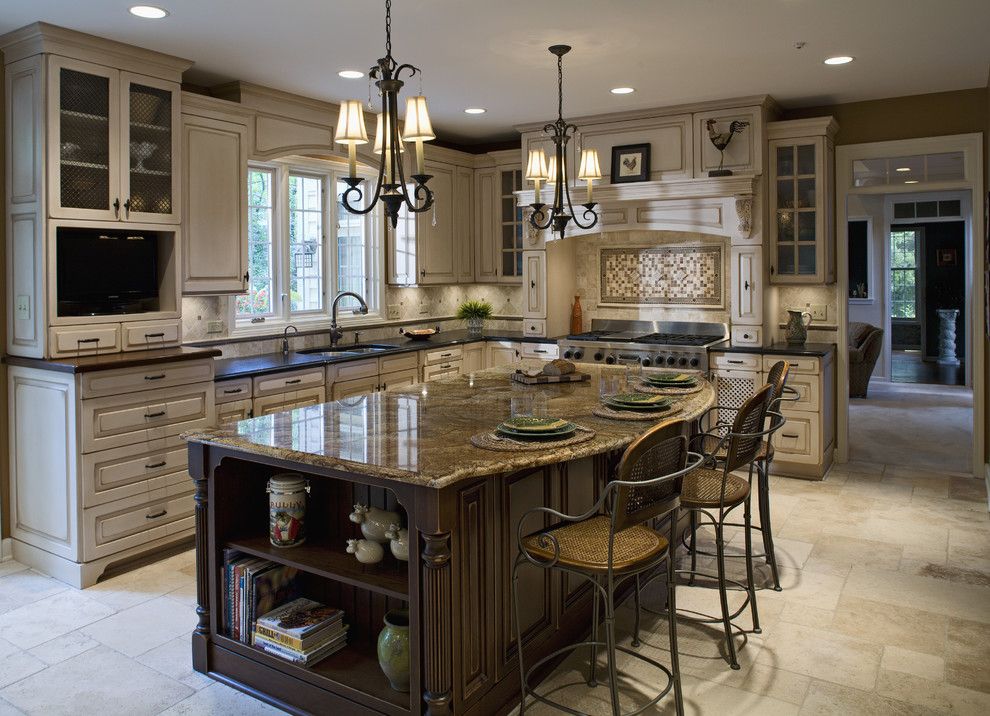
x=567, y=354
x=682, y=361
x=647, y=362
x=695, y=362
x=599, y=355
x=671, y=360
x=578, y=354
x=610, y=360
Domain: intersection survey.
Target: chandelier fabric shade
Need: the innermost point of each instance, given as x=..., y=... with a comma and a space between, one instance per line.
x=589, y=169
x=351, y=130
x=417, y=125
x=382, y=129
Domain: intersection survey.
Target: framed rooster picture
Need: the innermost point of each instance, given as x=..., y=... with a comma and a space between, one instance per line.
x=630, y=163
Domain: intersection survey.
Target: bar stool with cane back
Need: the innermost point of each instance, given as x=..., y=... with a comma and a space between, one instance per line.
x=712, y=491
x=780, y=393
x=611, y=543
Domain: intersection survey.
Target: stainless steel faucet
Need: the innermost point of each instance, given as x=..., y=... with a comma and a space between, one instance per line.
x=285, y=338
x=335, y=333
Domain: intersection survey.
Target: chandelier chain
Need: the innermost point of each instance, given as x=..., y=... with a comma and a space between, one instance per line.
x=388, y=28
x=560, y=87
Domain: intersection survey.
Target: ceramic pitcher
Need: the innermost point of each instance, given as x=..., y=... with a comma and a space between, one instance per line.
x=797, y=327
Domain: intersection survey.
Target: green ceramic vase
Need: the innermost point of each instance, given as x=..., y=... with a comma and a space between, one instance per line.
x=393, y=649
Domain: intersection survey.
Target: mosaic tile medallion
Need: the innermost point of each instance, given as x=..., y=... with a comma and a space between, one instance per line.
x=668, y=275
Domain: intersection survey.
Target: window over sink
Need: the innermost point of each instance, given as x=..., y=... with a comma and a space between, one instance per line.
x=304, y=246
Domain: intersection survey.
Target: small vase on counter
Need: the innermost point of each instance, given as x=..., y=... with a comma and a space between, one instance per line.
x=393, y=649
x=374, y=522
x=796, y=332
x=577, y=316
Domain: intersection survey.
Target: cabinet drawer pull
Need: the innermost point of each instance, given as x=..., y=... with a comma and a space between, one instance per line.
x=446, y=355
x=232, y=391
x=156, y=465
x=735, y=362
x=789, y=435
x=154, y=377
x=539, y=350
x=153, y=335
x=445, y=365
x=156, y=515
x=159, y=414
x=88, y=340
x=293, y=381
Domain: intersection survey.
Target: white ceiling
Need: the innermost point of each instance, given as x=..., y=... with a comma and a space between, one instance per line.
x=492, y=53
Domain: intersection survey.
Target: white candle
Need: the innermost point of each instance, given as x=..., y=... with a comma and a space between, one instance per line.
x=352, y=159
x=419, y=157
x=536, y=198
x=589, y=191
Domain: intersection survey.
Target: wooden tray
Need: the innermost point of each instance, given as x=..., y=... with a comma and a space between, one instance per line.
x=521, y=377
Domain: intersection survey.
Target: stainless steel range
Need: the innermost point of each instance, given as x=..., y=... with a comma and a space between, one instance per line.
x=674, y=344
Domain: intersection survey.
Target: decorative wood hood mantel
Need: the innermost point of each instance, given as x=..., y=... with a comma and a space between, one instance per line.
x=715, y=205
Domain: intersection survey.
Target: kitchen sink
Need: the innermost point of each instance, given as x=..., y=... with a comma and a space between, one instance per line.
x=350, y=350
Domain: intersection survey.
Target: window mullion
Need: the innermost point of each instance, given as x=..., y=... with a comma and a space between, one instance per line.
x=283, y=240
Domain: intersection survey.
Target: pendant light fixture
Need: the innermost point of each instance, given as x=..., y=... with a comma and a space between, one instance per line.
x=538, y=169
x=391, y=186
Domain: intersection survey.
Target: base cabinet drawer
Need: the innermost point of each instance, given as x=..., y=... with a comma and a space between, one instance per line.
x=132, y=380
x=228, y=391
x=442, y=370
x=145, y=335
x=808, y=389
x=442, y=355
x=69, y=341
x=352, y=370
x=403, y=361
x=134, y=521
x=234, y=412
x=797, y=440
x=809, y=365
x=737, y=361
x=114, y=474
x=350, y=388
x=268, y=404
x=138, y=417
x=288, y=381
x=534, y=327
x=747, y=335
x=542, y=351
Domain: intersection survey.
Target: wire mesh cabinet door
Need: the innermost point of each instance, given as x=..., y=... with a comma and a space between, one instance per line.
x=83, y=140
x=733, y=388
x=149, y=148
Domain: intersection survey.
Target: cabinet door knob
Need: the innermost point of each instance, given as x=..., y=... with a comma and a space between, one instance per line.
x=116, y=208
x=247, y=276
x=746, y=285
x=771, y=269
x=127, y=208
x=532, y=284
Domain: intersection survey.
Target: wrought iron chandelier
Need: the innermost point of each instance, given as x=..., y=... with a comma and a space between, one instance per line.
x=391, y=185
x=561, y=212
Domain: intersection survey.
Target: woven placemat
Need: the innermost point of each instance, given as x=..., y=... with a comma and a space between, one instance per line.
x=644, y=387
x=490, y=441
x=603, y=411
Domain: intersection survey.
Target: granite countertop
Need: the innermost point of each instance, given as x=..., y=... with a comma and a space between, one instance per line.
x=227, y=368
x=421, y=434
x=782, y=349
x=112, y=361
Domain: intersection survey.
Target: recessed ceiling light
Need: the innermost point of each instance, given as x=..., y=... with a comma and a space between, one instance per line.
x=838, y=60
x=351, y=74
x=622, y=90
x=903, y=169
x=475, y=110
x=148, y=12
x=911, y=181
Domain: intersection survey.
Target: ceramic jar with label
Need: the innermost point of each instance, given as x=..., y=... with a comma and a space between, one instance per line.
x=287, y=509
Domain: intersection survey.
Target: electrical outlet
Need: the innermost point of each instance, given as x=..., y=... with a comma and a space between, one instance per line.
x=393, y=312
x=214, y=326
x=22, y=308
x=818, y=311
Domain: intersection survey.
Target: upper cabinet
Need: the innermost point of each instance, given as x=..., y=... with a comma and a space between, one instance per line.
x=802, y=232
x=435, y=229
x=113, y=144
x=500, y=224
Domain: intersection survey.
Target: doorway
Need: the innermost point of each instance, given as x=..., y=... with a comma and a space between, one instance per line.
x=905, y=257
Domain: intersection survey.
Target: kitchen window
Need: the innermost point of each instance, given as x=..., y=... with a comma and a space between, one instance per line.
x=304, y=247
x=904, y=250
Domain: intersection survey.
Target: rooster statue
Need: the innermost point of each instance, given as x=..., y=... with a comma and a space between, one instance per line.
x=721, y=141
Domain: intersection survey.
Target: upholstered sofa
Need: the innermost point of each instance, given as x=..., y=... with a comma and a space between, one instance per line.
x=865, y=344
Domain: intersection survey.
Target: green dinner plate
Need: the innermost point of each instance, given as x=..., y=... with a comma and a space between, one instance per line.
x=639, y=399
x=655, y=408
x=530, y=435
x=533, y=424
x=672, y=383
x=671, y=378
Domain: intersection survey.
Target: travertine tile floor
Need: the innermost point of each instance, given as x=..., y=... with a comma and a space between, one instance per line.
x=885, y=610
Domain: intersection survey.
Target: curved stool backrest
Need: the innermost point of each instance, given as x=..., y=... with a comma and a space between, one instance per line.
x=746, y=435
x=661, y=451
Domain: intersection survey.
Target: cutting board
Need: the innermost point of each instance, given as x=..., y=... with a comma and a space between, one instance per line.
x=521, y=377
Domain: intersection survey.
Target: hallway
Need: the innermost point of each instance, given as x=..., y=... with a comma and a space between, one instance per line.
x=925, y=426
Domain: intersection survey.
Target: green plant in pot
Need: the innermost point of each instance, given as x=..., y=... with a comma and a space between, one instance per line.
x=474, y=313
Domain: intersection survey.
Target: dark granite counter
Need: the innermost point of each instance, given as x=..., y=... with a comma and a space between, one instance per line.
x=783, y=349
x=112, y=361
x=227, y=368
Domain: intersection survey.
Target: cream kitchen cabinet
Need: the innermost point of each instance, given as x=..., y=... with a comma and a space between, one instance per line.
x=499, y=224
x=359, y=386
x=473, y=357
x=98, y=472
x=114, y=144
x=464, y=223
x=501, y=353
x=534, y=285
x=235, y=411
x=215, y=226
x=280, y=402
x=372, y=375
x=802, y=197
x=436, y=262
x=287, y=390
x=746, y=280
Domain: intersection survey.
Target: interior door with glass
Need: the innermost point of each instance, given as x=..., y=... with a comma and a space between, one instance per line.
x=83, y=164
x=149, y=143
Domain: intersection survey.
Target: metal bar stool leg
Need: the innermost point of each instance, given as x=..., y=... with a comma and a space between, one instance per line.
x=613, y=670
x=636, y=601
x=593, y=660
x=694, y=552
x=763, y=477
x=751, y=587
x=675, y=667
x=515, y=610
x=722, y=593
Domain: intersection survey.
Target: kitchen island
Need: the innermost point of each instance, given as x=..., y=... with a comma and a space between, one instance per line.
x=407, y=451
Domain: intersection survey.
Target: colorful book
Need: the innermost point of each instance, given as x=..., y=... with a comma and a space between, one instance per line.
x=307, y=659
x=299, y=618
x=310, y=641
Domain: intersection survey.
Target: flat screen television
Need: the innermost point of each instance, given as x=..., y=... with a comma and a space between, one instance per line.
x=103, y=272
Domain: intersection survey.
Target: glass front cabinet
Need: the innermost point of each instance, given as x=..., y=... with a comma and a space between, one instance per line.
x=114, y=145
x=802, y=190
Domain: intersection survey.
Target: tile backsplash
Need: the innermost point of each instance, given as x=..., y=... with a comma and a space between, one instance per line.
x=430, y=305
x=653, y=276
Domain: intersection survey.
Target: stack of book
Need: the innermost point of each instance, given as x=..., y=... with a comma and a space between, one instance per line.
x=253, y=586
x=301, y=631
